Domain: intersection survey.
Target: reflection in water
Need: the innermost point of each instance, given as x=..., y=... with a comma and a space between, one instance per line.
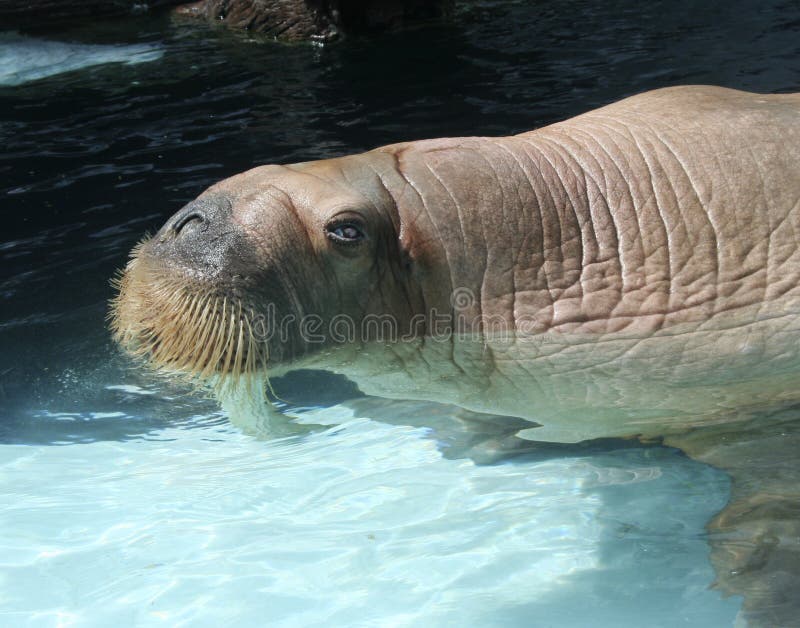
x=92, y=159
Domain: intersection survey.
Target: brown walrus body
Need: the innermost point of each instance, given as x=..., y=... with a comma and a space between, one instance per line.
x=631, y=271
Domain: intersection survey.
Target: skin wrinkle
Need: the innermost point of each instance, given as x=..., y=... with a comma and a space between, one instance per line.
x=430, y=168
x=638, y=204
x=487, y=249
x=399, y=229
x=610, y=208
x=486, y=238
x=641, y=252
x=548, y=247
x=401, y=279
x=715, y=271
x=386, y=267
x=455, y=204
x=507, y=206
x=391, y=216
x=528, y=146
x=409, y=184
x=539, y=207
x=575, y=315
x=589, y=224
x=555, y=245
x=584, y=225
x=614, y=223
x=661, y=201
x=442, y=241
x=770, y=230
x=732, y=215
x=423, y=209
x=573, y=204
x=526, y=218
x=795, y=238
x=601, y=191
x=516, y=252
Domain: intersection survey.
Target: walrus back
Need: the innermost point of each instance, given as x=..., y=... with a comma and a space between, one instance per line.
x=665, y=208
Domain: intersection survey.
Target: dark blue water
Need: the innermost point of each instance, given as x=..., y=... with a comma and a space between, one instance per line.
x=93, y=158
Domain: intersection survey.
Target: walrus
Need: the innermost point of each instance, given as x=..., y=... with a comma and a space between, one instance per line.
x=630, y=272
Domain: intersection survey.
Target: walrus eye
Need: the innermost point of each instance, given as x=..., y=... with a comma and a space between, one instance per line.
x=345, y=232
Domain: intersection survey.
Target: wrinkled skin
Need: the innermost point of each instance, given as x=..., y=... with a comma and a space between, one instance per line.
x=629, y=272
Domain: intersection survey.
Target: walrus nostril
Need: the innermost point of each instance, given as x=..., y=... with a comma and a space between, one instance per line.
x=193, y=214
x=208, y=212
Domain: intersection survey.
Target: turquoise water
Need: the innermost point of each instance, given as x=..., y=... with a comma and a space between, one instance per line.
x=364, y=523
x=129, y=502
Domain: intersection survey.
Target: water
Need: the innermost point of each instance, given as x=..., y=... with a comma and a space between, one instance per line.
x=130, y=501
x=365, y=524
x=24, y=59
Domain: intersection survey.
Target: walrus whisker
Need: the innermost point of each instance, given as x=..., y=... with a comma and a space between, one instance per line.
x=239, y=346
x=217, y=346
x=252, y=347
x=200, y=328
x=209, y=335
x=204, y=327
x=228, y=343
x=219, y=338
x=178, y=342
x=206, y=363
x=193, y=315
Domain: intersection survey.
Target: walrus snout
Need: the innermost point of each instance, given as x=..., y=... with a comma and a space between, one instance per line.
x=202, y=241
x=186, y=300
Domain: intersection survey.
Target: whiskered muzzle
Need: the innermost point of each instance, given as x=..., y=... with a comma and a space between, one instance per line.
x=183, y=326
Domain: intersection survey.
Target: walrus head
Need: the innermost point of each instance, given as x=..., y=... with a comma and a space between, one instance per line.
x=246, y=275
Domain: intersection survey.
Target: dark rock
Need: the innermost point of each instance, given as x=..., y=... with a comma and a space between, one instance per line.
x=321, y=20
x=291, y=20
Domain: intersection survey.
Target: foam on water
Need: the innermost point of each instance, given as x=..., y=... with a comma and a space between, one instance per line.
x=360, y=524
x=24, y=59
